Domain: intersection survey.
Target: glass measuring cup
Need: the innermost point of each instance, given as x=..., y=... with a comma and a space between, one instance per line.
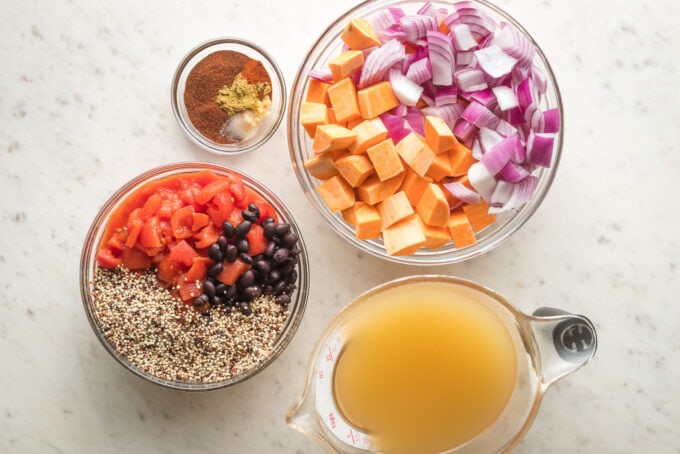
x=547, y=346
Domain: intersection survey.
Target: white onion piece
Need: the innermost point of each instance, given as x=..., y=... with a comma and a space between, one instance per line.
x=380, y=61
x=477, y=151
x=462, y=192
x=507, y=99
x=501, y=193
x=494, y=61
x=462, y=37
x=482, y=180
x=407, y=91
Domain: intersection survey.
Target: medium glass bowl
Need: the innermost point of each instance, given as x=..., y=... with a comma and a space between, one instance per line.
x=88, y=266
x=329, y=45
x=278, y=96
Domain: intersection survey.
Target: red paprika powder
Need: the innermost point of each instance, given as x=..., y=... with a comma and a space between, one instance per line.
x=207, y=78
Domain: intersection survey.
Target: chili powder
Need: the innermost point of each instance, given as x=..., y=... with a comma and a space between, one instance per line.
x=204, y=83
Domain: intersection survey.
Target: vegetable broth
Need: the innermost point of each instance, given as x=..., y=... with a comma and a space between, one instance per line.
x=425, y=368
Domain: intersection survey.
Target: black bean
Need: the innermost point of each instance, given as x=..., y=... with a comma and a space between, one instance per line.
x=245, y=308
x=292, y=277
x=289, y=239
x=249, y=216
x=294, y=251
x=228, y=229
x=245, y=258
x=232, y=291
x=220, y=289
x=279, y=287
x=242, y=228
x=247, y=279
x=281, y=255
x=274, y=275
x=209, y=288
x=283, y=299
x=200, y=300
x=287, y=268
x=212, y=279
x=222, y=242
x=214, y=252
x=252, y=207
x=269, y=251
x=268, y=220
x=216, y=269
x=269, y=230
x=290, y=288
x=252, y=291
x=216, y=300
x=231, y=253
x=268, y=290
x=228, y=309
x=263, y=266
x=242, y=245
x=282, y=228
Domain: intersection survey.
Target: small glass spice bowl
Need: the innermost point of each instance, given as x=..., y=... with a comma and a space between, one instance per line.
x=269, y=123
x=328, y=46
x=284, y=329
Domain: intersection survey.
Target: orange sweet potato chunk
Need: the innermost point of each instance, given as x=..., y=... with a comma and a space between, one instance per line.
x=376, y=99
x=337, y=193
x=358, y=34
x=385, y=159
x=343, y=98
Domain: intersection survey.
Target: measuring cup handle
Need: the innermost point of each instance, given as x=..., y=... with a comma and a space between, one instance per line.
x=565, y=341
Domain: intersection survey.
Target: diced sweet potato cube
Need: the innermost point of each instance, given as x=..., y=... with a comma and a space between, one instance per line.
x=374, y=191
x=461, y=160
x=438, y=134
x=349, y=214
x=414, y=185
x=345, y=63
x=460, y=229
x=343, y=97
x=354, y=168
x=367, y=222
x=435, y=236
x=394, y=209
x=351, y=124
x=313, y=114
x=317, y=91
x=369, y=133
x=404, y=237
x=321, y=166
x=376, y=99
x=358, y=34
x=416, y=153
x=433, y=207
x=332, y=137
x=479, y=216
x=440, y=167
x=337, y=193
x=385, y=159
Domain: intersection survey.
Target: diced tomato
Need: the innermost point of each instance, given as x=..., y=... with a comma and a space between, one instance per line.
x=107, y=259
x=134, y=259
x=150, y=235
x=238, y=192
x=181, y=222
x=206, y=236
x=235, y=216
x=166, y=230
x=151, y=206
x=199, y=269
x=211, y=189
x=171, y=203
x=183, y=253
x=257, y=243
x=117, y=241
x=266, y=210
x=169, y=269
x=231, y=271
x=188, y=290
x=188, y=193
x=199, y=220
x=220, y=207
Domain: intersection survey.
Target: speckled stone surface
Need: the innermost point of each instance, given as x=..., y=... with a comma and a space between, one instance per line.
x=84, y=107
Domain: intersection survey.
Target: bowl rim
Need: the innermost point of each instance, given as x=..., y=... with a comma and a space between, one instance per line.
x=423, y=257
x=88, y=267
x=184, y=122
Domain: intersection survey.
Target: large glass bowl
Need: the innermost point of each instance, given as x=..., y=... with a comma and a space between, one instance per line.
x=329, y=45
x=88, y=267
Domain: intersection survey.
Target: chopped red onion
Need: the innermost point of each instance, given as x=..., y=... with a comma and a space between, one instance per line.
x=420, y=71
x=417, y=25
x=407, y=91
x=428, y=9
x=507, y=99
x=465, y=131
x=470, y=79
x=441, y=57
x=446, y=95
x=397, y=127
x=494, y=61
x=462, y=192
x=539, y=148
x=514, y=172
x=479, y=115
x=501, y=193
x=321, y=74
x=449, y=113
x=499, y=155
x=380, y=61
x=481, y=180
x=462, y=37
x=551, y=120
x=488, y=138
x=522, y=192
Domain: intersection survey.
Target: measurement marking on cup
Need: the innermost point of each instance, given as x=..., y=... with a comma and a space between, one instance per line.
x=329, y=356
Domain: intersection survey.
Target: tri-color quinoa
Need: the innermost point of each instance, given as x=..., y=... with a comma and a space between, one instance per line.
x=159, y=334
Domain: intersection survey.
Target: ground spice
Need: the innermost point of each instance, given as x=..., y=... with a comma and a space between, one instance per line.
x=207, y=78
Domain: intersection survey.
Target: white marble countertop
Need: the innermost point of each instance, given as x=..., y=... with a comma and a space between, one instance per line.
x=84, y=107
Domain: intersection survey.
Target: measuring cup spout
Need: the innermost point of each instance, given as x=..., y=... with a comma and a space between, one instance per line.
x=565, y=342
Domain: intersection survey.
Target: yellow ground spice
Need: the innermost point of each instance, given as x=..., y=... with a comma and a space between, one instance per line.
x=241, y=95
